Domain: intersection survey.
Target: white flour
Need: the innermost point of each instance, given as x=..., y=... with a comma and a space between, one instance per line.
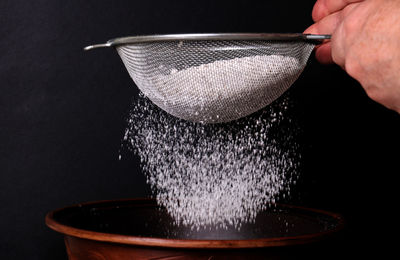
x=223, y=90
x=214, y=175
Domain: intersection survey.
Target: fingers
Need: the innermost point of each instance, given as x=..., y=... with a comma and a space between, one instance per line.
x=342, y=37
x=323, y=8
x=325, y=26
x=323, y=53
x=339, y=47
x=330, y=25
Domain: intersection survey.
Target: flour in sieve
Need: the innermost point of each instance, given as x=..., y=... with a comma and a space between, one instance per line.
x=223, y=90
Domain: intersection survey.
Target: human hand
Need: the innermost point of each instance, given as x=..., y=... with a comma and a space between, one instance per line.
x=365, y=43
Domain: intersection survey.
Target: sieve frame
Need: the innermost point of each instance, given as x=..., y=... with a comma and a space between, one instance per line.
x=211, y=37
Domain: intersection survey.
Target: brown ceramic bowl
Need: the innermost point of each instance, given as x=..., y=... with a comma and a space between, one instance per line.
x=138, y=229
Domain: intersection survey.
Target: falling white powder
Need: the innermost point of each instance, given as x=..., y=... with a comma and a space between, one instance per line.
x=215, y=175
x=220, y=91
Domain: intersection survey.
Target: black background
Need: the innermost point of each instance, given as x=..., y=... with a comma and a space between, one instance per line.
x=63, y=111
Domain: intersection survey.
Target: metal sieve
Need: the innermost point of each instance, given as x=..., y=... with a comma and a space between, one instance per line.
x=214, y=78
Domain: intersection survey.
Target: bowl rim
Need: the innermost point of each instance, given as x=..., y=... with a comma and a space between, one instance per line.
x=52, y=223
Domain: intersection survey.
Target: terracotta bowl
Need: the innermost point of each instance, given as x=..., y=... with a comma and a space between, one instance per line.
x=139, y=229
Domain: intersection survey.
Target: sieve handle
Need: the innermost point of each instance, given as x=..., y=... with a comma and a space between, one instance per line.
x=95, y=46
x=317, y=37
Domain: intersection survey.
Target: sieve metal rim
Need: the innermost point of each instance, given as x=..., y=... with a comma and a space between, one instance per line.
x=209, y=37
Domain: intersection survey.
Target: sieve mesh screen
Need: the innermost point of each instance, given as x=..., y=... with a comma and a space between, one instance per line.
x=214, y=81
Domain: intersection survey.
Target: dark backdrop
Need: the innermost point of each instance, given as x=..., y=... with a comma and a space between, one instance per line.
x=63, y=115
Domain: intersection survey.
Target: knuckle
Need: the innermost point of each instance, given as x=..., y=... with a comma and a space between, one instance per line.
x=353, y=67
x=319, y=11
x=350, y=25
x=338, y=47
x=375, y=94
